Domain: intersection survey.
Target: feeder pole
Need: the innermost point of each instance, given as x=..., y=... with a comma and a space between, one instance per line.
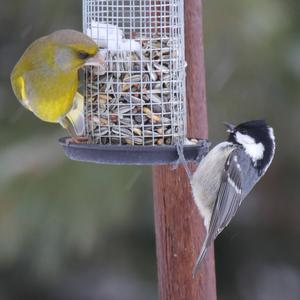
x=178, y=225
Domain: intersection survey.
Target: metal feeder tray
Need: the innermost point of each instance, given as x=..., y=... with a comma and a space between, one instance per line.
x=132, y=155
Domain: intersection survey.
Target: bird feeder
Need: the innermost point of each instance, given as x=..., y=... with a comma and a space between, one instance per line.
x=135, y=112
x=135, y=109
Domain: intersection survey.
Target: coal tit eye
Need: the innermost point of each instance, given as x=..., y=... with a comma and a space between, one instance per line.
x=83, y=55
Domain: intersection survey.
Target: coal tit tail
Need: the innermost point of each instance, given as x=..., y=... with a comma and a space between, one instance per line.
x=201, y=256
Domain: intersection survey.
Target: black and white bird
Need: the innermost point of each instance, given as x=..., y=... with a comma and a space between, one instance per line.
x=228, y=173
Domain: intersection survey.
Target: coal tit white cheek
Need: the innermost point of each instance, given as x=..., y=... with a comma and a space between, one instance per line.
x=228, y=173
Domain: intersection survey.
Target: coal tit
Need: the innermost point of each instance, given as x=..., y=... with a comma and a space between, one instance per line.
x=228, y=173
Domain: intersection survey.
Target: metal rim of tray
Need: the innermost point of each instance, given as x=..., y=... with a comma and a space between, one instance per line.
x=132, y=155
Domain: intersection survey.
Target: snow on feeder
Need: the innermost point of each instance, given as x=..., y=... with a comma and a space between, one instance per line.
x=137, y=105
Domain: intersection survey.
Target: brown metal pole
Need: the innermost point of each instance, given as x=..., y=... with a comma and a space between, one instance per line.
x=179, y=229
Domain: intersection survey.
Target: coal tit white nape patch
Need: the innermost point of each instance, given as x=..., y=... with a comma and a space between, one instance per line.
x=228, y=173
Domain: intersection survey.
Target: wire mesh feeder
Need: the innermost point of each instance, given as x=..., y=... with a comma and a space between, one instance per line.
x=137, y=106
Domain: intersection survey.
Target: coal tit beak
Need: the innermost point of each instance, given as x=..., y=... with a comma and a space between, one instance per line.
x=230, y=127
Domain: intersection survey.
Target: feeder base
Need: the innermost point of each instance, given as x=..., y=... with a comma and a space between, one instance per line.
x=132, y=155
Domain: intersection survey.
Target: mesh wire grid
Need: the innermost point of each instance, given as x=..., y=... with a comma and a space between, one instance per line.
x=140, y=98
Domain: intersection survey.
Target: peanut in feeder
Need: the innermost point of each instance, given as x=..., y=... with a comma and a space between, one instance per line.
x=139, y=100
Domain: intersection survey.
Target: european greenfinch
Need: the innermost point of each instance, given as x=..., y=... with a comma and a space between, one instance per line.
x=45, y=79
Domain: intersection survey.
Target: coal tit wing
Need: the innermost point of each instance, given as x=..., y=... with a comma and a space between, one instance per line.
x=229, y=197
x=238, y=178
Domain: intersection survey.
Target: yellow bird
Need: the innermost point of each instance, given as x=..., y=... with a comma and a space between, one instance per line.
x=45, y=79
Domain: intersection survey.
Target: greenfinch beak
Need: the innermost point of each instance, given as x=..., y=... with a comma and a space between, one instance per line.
x=97, y=60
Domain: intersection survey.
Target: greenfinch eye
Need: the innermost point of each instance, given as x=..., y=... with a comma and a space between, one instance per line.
x=83, y=55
